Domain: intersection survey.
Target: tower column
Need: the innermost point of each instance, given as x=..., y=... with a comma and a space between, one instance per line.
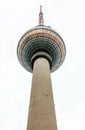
x=41, y=109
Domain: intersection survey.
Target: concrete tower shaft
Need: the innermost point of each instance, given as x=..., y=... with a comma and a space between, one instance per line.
x=41, y=109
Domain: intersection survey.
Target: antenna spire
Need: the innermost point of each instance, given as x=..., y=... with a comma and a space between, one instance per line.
x=41, y=20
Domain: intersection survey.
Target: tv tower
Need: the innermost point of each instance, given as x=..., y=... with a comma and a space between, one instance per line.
x=41, y=50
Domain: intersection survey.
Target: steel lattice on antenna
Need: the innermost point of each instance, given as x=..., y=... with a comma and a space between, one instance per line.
x=41, y=20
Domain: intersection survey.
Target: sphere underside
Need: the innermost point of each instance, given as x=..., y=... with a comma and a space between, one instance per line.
x=43, y=41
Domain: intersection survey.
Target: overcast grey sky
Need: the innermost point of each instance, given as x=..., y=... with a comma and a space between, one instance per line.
x=67, y=17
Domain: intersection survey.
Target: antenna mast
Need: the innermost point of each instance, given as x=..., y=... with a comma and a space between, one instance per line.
x=41, y=20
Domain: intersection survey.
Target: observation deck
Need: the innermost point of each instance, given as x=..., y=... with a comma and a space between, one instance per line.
x=41, y=41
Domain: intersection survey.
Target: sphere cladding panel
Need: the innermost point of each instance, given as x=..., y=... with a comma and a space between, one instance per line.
x=41, y=38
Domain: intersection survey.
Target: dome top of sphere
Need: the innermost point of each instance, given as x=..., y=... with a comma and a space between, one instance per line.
x=41, y=41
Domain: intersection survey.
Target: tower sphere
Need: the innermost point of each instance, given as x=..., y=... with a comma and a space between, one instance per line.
x=41, y=41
